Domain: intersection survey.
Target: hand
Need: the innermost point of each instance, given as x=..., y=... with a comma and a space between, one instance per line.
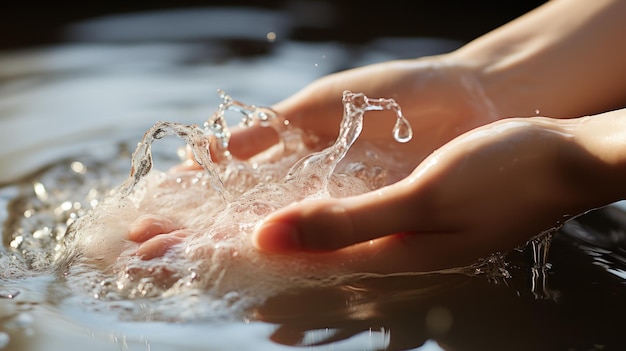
x=488, y=190
x=440, y=99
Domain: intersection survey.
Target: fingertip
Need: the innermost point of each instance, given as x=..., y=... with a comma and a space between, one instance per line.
x=277, y=237
x=148, y=226
x=160, y=244
x=311, y=226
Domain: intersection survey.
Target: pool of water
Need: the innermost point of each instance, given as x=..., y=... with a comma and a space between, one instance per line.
x=71, y=113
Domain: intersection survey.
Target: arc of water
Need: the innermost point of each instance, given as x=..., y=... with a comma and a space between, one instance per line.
x=198, y=140
x=192, y=135
x=319, y=166
x=218, y=126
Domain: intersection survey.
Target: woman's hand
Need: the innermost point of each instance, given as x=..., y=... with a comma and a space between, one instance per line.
x=440, y=99
x=488, y=190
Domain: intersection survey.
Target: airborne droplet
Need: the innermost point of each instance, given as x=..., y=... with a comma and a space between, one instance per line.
x=402, y=130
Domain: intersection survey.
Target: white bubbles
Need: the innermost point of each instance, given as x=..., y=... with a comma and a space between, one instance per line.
x=216, y=208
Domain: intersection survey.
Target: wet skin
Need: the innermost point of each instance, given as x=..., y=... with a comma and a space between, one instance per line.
x=465, y=201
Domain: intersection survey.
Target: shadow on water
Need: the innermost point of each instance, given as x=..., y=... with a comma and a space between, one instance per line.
x=84, y=97
x=583, y=310
x=464, y=313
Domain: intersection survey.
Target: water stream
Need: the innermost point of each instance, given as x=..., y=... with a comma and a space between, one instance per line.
x=218, y=204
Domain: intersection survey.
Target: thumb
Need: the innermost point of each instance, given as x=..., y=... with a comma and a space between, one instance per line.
x=330, y=224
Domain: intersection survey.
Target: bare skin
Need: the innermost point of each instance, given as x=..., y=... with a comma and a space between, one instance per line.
x=450, y=102
x=479, y=185
x=473, y=196
x=538, y=63
x=547, y=169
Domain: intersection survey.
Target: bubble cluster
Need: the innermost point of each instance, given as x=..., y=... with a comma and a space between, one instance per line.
x=219, y=204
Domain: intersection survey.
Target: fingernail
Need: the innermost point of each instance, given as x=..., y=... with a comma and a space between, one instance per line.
x=277, y=237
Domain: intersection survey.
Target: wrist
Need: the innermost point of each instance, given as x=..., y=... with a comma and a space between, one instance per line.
x=508, y=72
x=563, y=60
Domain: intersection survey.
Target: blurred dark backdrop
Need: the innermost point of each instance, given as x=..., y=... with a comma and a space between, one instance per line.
x=25, y=23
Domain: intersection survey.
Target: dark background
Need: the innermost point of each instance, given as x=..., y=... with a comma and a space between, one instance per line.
x=25, y=24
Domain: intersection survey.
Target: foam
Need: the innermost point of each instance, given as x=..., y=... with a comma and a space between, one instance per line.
x=220, y=206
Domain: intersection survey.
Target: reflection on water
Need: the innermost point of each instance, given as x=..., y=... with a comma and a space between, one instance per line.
x=70, y=116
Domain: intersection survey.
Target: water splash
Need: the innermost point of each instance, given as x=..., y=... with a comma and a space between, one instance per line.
x=221, y=204
x=496, y=268
x=195, y=137
x=218, y=126
x=315, y=170
x=540, y=246
x=198, y=140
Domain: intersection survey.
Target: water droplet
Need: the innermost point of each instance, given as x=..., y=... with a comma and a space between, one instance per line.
x=9, y=295
x=402, y=130
x=539, y=271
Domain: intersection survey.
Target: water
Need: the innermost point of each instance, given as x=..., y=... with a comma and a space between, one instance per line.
x=195, y=289
x=563, y=294
x=218, y=206
x=81, y=240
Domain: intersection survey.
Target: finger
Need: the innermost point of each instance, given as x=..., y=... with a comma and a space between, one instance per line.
x=249, y=141
x=243, y=144
x=158, y=245
x=316, y=108
x=148, y=226
x=330, y=224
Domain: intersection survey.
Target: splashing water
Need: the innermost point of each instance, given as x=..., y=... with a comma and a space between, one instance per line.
x=316, y=169
x=218, y=206
x=319, y=165
x=195, y=138
x=218, y=127
x=539, y=271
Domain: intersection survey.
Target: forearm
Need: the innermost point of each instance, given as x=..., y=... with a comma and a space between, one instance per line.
x=567, y=58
